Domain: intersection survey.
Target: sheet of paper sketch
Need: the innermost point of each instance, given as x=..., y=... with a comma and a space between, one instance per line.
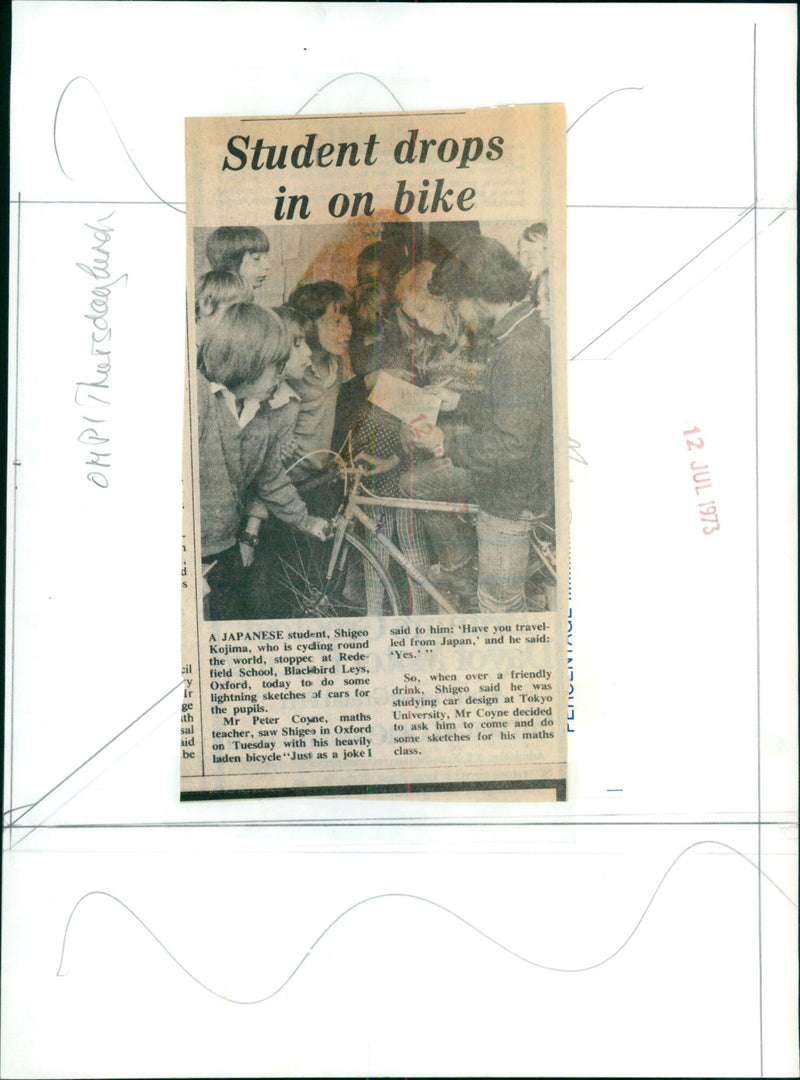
x=680, y=830
x=408, y=403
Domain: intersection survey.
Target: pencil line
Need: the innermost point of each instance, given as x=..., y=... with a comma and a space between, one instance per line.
x=619, y=90
x=103, y=202
x=673, y=206
x=55, y=787
x=406, y=823
x=128, y=155
x=570, y=206
x=347, y=75
x=666, y=280
x=198, y=605
x=757, y=551
x=13, y=618
x=60, y=972
x=691, y=288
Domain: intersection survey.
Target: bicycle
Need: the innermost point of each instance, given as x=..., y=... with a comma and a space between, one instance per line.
x=320, y=584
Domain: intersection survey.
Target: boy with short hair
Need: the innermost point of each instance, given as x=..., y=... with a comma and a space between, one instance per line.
x=242, y=479
x=216, y=290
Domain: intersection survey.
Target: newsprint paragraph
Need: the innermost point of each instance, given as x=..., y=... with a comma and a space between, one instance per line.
x=375, y=478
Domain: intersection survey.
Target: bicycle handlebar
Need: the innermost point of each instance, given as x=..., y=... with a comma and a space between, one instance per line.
x=379, y=465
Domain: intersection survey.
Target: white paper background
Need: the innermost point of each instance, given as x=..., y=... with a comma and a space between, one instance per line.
x=683, y=643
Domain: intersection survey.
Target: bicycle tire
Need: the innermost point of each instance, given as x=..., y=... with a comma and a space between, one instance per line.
x=301, y=575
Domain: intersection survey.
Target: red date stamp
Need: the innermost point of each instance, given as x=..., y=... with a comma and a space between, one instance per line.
x=701, y=477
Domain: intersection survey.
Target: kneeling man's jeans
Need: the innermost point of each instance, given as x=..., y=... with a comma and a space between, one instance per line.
x=502, y=563
x=502, y=544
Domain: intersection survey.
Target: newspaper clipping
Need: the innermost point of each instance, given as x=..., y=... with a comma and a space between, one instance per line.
x=375, y=474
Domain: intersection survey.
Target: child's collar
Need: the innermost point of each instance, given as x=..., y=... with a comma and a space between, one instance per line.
x=282, y=395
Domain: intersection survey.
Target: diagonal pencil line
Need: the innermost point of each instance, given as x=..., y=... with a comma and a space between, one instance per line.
x=419, y=899
x=666, y=280
x=91, y=757
x=619, y=90
x=699, y=282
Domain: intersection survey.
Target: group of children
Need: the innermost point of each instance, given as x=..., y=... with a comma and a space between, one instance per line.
x=273, y=402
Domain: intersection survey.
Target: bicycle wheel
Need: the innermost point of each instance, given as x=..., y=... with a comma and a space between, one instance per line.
x=303, y=590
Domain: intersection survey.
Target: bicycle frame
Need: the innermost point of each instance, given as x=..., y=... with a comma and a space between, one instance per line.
x=352, y=511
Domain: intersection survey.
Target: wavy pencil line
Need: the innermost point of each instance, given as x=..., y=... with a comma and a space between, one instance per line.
x=347, y=75
x=423, y=900
x=619, y=90
x=83, y=78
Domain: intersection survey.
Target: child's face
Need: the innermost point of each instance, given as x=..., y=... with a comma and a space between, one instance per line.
x=299, y=357
x=254, y=268
x=533, y=255
x=334, y=330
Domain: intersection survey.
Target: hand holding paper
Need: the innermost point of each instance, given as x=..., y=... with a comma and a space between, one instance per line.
x=448, y=399
x=431, y=439
x=408, y=403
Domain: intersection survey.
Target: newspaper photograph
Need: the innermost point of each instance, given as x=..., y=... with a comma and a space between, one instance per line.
x=376, y=521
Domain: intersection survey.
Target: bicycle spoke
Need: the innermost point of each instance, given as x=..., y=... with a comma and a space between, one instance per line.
x=289, y=569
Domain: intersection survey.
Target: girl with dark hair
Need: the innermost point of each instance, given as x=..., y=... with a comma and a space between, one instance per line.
x=298, y=327
x=325, y=305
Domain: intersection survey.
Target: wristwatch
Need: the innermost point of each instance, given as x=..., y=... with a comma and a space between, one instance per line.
x=248, y=538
